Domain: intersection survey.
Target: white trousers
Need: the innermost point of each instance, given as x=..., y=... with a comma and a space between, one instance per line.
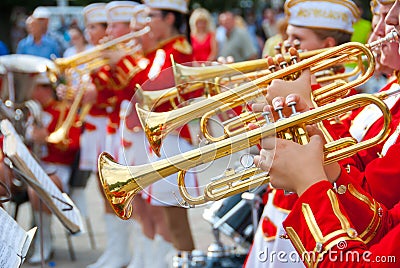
x=92, y=142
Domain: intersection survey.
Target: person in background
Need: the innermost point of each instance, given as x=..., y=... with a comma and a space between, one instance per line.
x=269, y=22
x=168, y=224
x=220, y=34
x=77, y=78
x=78, y=42
x=55, y=157
x=256, y=32
x=3, y=49
x=18, y=27
x=92, y=140
x=38, y=43
x=202, y=36
x=314, y=32
x=128, y=72
x=117, y=251
x=95, y=18
x=238, y=43
x=93, y=136
x=45, y=15
x=270, y=43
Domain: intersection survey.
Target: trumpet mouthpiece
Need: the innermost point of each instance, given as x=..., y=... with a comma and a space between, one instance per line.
x=393, y=36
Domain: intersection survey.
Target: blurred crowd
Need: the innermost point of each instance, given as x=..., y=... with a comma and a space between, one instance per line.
x=213, y=34
x=258, y=26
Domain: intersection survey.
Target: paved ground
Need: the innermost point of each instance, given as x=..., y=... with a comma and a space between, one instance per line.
x=85, y=254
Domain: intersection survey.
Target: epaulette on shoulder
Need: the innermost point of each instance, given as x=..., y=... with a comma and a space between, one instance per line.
x=183, y=46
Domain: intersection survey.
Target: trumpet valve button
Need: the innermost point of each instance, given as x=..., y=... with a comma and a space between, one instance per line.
x=278, y=49
x=296, y=44
x=292, y=105
x=272, y=68
x=287, y=45
x=293, y=59
x=279, y=111
x=283, y=64
x=266, y=117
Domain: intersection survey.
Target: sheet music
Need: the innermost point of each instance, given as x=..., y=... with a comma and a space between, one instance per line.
x=37, y=178
x=14, y=241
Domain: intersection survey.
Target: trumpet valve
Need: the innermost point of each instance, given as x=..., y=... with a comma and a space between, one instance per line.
x=272, y=68
x=280, y=113
x=283, y=64
x=287, y=46
x=296, y=44
x=293, y=59
x=266, y=115
x=301, y=135
x=292, y=105
x=278, y=49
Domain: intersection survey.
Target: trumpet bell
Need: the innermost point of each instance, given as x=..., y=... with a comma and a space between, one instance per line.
x=184, y=74
x=117, y=193
x=154, y=132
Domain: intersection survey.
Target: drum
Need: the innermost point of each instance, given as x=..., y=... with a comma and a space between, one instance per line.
x=233, y=217
x=231, y=261
x=199, y=259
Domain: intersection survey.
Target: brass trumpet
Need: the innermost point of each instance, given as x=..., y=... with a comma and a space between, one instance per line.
x=239, y=124
x=92, y=59
x=158, y=125
x=186, y=74
x=212, y=78
x=153, y=98
x=61, y=133
x=121, y=183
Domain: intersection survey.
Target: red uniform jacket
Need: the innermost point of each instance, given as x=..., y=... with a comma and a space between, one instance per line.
x=105, y=102
x=64, y=152
x=157, y=75
x=365, y=156
x=105, y=95
x=343, y=227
